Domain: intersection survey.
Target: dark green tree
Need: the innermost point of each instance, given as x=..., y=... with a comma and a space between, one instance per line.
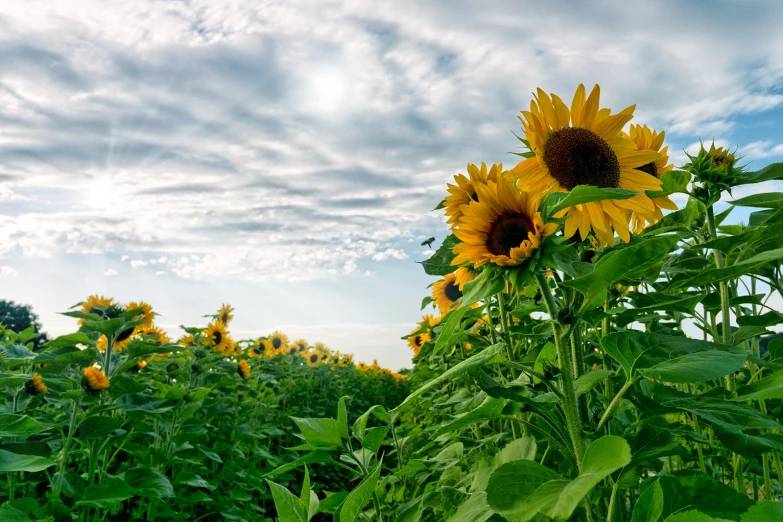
x=17, y=318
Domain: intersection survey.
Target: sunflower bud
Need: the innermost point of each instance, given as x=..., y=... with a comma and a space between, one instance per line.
x=716, y=166
x=35, y=386
x=94, y=381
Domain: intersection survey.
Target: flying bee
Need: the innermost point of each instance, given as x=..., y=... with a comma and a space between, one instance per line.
x=428, y=242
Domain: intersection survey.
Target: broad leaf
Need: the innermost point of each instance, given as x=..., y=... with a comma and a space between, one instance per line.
x=672, y=359
x=360, y=496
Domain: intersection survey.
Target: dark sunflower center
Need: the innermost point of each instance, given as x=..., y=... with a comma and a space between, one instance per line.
x=314, y=358
x=508, y=231
x=125, y=334
x=576, y=156
x=218, y=337
x=224, y=318
x=650, y=169
x=277, y=342
x=292, y=351
x=452, y=291
x=302, y=347
x=417, y=341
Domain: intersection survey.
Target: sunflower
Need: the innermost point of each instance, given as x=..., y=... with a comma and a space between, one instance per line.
x=313, y=359
x=291, y=350
x=504, y=227
x=416, y=341
x=463, y=276
x=123, y=340
x=279, y=340
x=216, y=336
x=322, y=350
x=146, y=312
x=647, y=139
x=231, y=347
x=465, y=190
x=154, y=334
x=94, y=380
x=262, y=348
x=187, y=341
x=225, y=314
x=301, y=345
x=584, y=146
x=35, y=386
x=347, y=360
x=243, y=369
x=96, y=304
x=446, y=292
x=430, y=319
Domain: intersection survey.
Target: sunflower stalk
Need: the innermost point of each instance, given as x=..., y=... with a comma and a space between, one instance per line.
x=724, y=295
x=569, y=400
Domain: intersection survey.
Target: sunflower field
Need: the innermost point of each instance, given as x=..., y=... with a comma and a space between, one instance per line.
x=118, y=422
x=583, y=356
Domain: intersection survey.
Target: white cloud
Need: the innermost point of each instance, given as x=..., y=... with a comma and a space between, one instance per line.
x=390, y=253
x=289, y=141
x=111, y=273
x=8, y=271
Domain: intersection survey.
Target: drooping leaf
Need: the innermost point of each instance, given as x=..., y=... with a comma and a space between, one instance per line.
x=289, y=508
x=620, y=263
x=649, y=507
x=476, y=361
x=13, y=425
x=360, y=496
x=672, y=359
x=14, y=462
x=320, y=433
x=149, y=482
x=586, y=193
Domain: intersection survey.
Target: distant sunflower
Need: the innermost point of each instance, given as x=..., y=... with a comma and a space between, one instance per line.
x=292, y=350
x=35, y=386
x=584, y=146
x=243, y=369
x=225, y=314
x=154, y=334
x=465, y=190
x=504, y=227
x=187, y=341
x=647, y=139
x=417, y=341
x=146, y=312
x=96, y=304
x=216, y=336
x=446, y=292
x=313, y=359
x=231, y=347
x=322, y=350
x=94, y=380
x=261, y=348
x=347, y=360
x=301, y=345
x=430, y=319
x=279, y=340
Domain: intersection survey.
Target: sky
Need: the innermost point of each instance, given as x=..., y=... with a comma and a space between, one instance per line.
x=284, y=157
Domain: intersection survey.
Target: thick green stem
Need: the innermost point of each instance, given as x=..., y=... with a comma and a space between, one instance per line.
x=724, y=294
x=568, y=402
x=504, y=325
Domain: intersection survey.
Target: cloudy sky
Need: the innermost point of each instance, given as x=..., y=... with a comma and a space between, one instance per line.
x=284, y=156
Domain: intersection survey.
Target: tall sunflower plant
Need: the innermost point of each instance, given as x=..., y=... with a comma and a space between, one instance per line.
x=600, y=342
